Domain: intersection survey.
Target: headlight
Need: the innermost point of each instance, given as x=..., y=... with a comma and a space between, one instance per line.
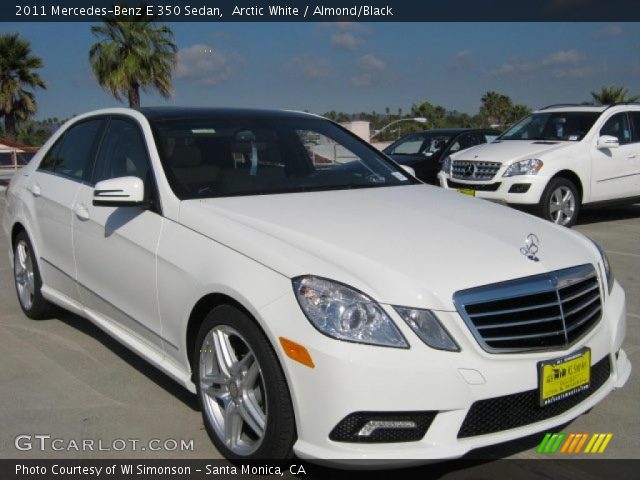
x=531, y=166
x=446, y=165
x=344, y=313
x=607, y=267
x=426, y=326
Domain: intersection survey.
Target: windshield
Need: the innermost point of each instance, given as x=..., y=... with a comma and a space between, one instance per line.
x=553, y=126
x=247, y=156
x=424, y=143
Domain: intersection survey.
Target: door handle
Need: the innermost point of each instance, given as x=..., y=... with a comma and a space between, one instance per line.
x=35, y=190
x=81, y=212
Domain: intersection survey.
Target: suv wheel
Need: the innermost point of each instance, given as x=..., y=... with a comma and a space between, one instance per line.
x=242, y=391
x=560, y=202
x=27, y=279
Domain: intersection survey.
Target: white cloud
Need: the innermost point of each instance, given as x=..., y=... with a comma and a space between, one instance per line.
x=561, y=64
x=564, y=57
x=345, y=40
x=310, y=66
x=461, y=60
x=353, y=26
x=205, y=65
x=370, y=62
x=608, y=31
x=371, y=70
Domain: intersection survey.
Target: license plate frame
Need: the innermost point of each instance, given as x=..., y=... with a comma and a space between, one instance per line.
x=467, y=191
x=563, y=377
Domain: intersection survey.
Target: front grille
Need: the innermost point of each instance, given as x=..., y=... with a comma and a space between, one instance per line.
x=548, y=311
x=478, y=187
x=349, y=427
x=472, y=170
x=513, y=411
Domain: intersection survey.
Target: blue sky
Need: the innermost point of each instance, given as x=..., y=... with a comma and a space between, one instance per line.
x=355, y=67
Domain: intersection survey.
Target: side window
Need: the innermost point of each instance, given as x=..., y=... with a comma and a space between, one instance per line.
x=618, y=126
x=52, y=156
x=464, y=141
x=489, y=137
x=77, y=149
x=635, y=120
x=123, y=153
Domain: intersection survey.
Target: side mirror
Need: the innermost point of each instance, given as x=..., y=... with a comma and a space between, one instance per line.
x=608, y=141
x=120, y=192
x=409, y=170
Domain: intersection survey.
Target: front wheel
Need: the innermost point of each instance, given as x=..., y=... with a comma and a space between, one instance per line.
x=560, y=202
x=242, y=391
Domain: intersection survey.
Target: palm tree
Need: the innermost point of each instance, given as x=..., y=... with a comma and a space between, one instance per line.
x=17, y=74
x=132, y=55
x=611, y=94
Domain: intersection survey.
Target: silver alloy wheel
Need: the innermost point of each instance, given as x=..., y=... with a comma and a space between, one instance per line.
x=233, y=391
x=562, y=205
x=23, y=272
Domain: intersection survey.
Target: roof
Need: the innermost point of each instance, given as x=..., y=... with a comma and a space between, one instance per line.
x=575, y=108
x=454, y=131
x=15, y=145
x=176, y=113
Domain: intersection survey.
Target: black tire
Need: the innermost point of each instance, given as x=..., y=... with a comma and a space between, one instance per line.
x=280, y=430
x=547, y=202
x=40, y=308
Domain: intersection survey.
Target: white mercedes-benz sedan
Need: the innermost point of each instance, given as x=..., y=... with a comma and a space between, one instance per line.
x=318, y=299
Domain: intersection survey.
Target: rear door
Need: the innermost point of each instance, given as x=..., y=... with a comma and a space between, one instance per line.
x=614, y=170
x=116, y=247
x=54, y=186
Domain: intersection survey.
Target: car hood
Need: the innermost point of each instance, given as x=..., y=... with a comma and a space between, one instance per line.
x=406, y=245
x=509, y=151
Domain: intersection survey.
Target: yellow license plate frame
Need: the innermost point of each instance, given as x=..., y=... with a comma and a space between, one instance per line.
x=467, y=191
x=563, y=377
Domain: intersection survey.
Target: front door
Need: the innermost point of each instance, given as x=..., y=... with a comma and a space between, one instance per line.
x=116, y=246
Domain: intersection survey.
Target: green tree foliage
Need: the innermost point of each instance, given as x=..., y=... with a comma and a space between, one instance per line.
x=18, y=79
x=611, y=94
x=130, y=56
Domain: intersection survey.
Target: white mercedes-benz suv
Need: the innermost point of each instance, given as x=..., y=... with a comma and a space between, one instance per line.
x=556, y=160
x=318, y=299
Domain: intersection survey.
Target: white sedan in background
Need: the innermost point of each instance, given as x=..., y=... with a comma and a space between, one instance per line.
x=330, y=306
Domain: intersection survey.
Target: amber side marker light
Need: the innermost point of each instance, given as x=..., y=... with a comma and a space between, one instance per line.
x=296, y=352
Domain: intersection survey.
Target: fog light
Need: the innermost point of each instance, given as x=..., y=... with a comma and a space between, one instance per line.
x=383, y=427
x=519, y=188
x=373, y=425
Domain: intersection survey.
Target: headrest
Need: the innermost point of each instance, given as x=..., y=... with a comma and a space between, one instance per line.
x=185, y=156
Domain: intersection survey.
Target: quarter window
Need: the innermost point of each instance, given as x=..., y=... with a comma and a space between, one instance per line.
x=77, y=149
x=52, y=156
x=618, y=126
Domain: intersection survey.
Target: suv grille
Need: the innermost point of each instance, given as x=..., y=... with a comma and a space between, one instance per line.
x=468, y=170
x=548, y=311
x=519, y=409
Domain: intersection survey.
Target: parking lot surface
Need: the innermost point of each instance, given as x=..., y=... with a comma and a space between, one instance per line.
x=65, y=378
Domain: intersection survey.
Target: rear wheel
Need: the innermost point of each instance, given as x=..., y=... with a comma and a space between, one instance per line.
x=560, y=202
x=242, y=391
x=28, y=281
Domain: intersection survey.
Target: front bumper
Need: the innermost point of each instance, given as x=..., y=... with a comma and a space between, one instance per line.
x=350, y=378
x=502, y=193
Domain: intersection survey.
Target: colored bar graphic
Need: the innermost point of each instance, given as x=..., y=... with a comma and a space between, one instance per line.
x=573, y=443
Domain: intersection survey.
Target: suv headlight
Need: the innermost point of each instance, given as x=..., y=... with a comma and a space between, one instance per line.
x=607, y=267
x=446, y=165
x=425, y=325
x=530, y=166
x=344, y=313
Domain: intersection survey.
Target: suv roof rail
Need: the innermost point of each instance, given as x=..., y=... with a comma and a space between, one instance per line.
x=617, y=104
x=557, y=105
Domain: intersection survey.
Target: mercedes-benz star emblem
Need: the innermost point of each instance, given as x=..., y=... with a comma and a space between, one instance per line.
x=531, y=247
x=470, y=170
